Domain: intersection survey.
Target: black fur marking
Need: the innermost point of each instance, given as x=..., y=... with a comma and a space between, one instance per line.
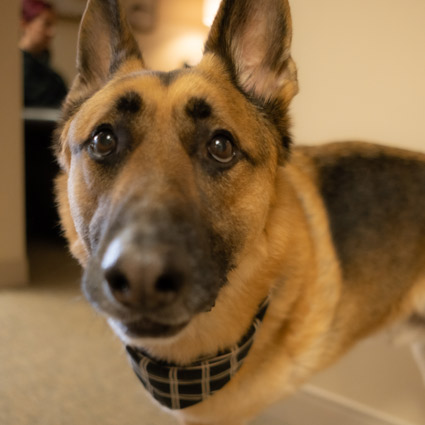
x=198, y=109
x=417, y=320
x=130, y=102
x=375, y=204
x=168, y=78
x=277, y=114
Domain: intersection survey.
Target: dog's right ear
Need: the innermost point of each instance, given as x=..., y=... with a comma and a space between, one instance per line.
x=253, y=37
x=105, y=42
x=105, y=45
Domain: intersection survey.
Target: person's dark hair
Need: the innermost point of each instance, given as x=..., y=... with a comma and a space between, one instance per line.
x=32, y=8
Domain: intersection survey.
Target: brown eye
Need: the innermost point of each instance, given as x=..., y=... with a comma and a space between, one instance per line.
x=221, y=149
x=103, y=144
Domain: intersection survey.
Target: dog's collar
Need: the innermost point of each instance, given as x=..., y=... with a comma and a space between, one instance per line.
x=178, y=387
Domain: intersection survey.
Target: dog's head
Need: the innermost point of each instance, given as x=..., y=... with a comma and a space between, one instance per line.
x=167, y=178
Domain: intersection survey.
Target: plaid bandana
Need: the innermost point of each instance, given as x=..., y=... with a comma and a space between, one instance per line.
x=178, y=387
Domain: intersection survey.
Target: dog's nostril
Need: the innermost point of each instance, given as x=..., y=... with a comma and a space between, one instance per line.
x=117, y=281
x=169, y=282
x=142, y=279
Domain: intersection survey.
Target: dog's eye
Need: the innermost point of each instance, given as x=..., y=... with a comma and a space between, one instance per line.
x=103, y=143
x=221, y=148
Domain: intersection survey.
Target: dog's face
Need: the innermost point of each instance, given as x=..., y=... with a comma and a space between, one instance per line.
x=168, y=177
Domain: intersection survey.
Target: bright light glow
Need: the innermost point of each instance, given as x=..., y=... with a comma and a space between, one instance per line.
x=210, y=10
x=185, y=50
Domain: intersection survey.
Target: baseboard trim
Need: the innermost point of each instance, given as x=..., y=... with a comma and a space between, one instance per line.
x=14, y=273
x=313, y=405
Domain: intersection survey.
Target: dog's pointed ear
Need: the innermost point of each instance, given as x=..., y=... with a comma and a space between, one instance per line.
x=105, y=42
x=254, y=39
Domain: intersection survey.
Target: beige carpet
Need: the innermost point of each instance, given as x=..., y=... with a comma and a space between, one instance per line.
x=59, y=362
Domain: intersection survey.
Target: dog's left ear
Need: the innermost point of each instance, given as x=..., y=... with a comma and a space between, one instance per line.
x=253, y=37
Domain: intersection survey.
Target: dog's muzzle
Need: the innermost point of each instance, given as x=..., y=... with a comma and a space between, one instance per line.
x=152, y=273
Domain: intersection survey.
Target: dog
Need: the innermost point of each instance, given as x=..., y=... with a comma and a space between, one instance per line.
x=231, y=264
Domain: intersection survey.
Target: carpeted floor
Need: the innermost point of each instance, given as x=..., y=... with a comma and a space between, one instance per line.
x=59, y=362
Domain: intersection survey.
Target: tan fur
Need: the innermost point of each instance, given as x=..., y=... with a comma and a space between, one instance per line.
x=278, y=217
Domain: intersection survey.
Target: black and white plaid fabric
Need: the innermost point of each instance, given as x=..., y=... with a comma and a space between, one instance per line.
x=178, y=387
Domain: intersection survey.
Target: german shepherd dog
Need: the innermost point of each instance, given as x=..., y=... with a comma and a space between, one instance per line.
x=231, y=265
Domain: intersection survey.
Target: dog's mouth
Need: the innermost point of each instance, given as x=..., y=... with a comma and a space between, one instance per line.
x=145, y=328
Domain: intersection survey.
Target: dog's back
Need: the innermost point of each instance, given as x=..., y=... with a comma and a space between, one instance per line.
x=374, y=198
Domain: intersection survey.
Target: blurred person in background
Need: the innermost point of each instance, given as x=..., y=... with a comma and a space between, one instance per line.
x=43, y=87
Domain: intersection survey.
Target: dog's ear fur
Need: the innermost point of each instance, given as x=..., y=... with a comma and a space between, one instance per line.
x=254, y=37
x=104, y=43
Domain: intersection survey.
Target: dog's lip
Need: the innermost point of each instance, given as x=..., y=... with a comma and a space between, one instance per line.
x=147, y=328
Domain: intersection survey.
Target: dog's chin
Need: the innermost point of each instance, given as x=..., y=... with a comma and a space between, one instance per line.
x=129, y=332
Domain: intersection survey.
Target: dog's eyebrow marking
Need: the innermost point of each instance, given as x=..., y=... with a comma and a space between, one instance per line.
x=131, y=102
x=168, y=78
x=198, y=108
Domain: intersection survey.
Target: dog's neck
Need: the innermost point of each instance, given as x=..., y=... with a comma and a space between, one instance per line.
x=178, y=387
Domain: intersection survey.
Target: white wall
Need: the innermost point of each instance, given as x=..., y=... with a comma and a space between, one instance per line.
x=13, y=262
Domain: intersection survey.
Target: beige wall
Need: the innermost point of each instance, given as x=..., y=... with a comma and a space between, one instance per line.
x=13, y=262
x=179, y=35
x=64, y=48
x=361, y=70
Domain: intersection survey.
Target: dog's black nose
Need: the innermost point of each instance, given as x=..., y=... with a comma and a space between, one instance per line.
x=144, y=278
